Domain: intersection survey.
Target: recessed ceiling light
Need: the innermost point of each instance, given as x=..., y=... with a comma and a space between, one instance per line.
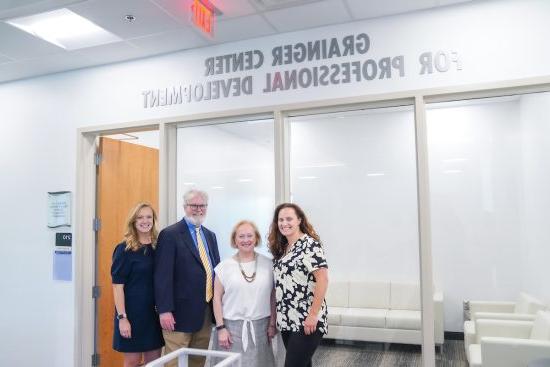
x=65, y=29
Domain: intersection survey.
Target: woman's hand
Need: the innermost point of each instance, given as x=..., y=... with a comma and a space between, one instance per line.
x=271, y=331
x=125, y=328
x=224, y=339
x=310, y=324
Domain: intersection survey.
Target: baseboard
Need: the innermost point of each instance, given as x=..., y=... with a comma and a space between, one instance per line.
x=449, y=335
x=454, y=335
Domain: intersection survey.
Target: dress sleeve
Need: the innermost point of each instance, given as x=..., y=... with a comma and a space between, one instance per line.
x=314, y=257
x=121, y=266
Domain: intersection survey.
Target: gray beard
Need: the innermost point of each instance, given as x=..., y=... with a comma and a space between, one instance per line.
x=195, y=221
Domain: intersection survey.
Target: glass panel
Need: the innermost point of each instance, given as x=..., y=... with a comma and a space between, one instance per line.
x=234, y=163
x=354, y=174
x=489, y=204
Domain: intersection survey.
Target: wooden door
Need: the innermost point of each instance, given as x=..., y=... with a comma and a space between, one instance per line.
x=127, y=174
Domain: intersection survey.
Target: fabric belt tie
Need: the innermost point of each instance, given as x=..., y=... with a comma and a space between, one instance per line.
x=244, y=335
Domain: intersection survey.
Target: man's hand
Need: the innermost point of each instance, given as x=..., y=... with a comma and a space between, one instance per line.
x=167, y=321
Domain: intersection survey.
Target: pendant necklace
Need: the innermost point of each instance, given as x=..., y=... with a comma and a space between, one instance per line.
x=248, y=278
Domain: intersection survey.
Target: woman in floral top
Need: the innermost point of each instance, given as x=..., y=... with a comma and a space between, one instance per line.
x=301, y=281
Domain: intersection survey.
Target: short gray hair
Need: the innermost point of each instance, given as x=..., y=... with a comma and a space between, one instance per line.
x=192, y=193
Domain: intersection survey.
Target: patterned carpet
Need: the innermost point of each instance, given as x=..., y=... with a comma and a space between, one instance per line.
x=330, y=354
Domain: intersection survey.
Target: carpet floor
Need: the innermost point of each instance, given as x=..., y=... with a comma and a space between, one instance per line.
x=331, y=354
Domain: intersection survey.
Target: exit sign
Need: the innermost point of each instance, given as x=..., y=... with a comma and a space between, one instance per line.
x=203, y=17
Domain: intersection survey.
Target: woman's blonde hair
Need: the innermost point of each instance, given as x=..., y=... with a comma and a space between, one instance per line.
x=131, y=235
x=234, y=233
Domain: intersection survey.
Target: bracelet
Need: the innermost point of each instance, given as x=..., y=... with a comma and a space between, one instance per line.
x=222, y=326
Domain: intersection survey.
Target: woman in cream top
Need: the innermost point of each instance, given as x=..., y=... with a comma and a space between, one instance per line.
x=244, y=300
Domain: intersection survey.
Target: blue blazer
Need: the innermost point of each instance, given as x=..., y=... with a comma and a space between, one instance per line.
x=180, y=277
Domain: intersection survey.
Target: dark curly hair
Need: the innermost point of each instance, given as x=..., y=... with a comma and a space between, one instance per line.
x=276, y=241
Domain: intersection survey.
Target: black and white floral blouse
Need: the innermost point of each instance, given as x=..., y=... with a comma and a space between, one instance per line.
x=294, y=284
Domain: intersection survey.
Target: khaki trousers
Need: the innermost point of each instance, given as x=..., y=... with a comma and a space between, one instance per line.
x=175, y=340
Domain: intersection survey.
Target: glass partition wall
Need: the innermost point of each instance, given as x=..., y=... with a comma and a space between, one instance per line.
x=354, y=174
x=490, y=197
x=234, y=163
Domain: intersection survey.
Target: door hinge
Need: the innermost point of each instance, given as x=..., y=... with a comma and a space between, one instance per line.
x=95, y=359
x=97, y=224
x=97, y=158
x=96, y=291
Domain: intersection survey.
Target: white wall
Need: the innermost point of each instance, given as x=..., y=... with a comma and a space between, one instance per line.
x=39, y=118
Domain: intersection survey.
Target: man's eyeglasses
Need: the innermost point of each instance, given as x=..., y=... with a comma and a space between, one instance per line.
x=197, y=206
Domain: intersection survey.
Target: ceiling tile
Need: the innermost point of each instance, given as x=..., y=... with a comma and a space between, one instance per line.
x=41, y=66
x=451, y=2
x=363, y=9
x=149, y=18
x=5, y=59
x=20, y=8
x=112, y=52
x=19, y=45
x=233, y=8
x=308, y=16
x=178, y=9
x=176, y=40
x=242, y=28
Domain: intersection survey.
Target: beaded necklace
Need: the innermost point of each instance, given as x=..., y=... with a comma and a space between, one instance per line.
x=248, y=278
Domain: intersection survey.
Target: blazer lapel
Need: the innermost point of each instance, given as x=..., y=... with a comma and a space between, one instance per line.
x=188, y=240
x=210, y=240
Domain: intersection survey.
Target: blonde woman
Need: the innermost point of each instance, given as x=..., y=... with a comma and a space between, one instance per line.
x=244, y=305
x=137, y=330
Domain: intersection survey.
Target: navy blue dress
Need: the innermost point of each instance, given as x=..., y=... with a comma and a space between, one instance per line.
x=134, y=269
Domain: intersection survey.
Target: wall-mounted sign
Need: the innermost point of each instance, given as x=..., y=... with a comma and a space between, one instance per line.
x=63, y=242
x=202, y=16
x=309, y=64
x=59, y=209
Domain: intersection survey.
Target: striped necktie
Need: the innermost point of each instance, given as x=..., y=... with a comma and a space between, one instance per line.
x=206, y=264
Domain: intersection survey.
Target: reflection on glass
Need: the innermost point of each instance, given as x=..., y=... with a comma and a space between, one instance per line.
x=234, y=163
x=489, y=207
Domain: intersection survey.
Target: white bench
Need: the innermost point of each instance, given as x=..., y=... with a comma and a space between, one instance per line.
x=379, y=311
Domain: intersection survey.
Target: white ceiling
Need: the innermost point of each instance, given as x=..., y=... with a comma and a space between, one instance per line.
x=163, y=26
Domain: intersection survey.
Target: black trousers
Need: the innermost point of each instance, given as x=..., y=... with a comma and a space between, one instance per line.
x=300, y=347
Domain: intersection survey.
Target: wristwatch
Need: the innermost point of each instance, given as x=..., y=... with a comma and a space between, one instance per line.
x=222, y=326
x=121, y=316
